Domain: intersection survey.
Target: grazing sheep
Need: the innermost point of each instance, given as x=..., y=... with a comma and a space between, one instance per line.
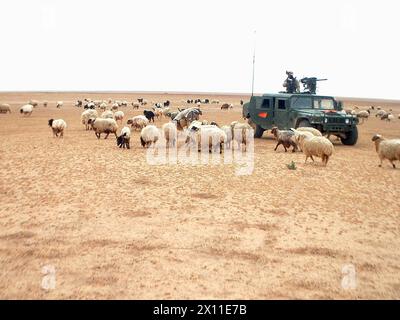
x=124, y=139
x=185, y=117
x=380, y=113
x=26, y=109
x=138, y=122
x=387, y=149
x=119, y=115
x=103, y=106
x=144, y=102
x=86, y=115
x=135, y=105
x=228, y=132
x=207, y=135
x=149, y=115
x=165, y=111
x=4, y=108
x=59, y=104
x=149, y=135
x=170, y=133
x=107, y=126
x=215, y=101
x=390, y=117
x=124, y=103
x=158, y=112
x=78, y=103
x=45, y=103
x=240, y=133
x=115, y=106
x=58, y=126
x=285, y=138
x=314, y=131
x=363, y=114
x=317, y=146
x=33, y=103
x=225, y=106
x=172, y=115
x=108, y=114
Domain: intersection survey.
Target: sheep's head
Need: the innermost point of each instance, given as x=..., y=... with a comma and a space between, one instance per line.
x=213, y=123
x=376, y=137
x=274, y=131
x=51, y=122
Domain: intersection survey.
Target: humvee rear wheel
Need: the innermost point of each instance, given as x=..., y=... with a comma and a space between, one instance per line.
x=258, y=132
x=303, y=123
x=351, y=137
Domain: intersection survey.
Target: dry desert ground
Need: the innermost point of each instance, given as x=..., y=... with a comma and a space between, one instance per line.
x=115, y=227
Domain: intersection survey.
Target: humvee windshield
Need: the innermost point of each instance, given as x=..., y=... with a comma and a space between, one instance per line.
x=312, y=103
x=324, y=103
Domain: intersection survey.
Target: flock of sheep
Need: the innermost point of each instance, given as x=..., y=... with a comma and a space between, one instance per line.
x=186, y=122
x=365, y=114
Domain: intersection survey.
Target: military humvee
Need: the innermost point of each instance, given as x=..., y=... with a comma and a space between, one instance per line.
x=293, y=110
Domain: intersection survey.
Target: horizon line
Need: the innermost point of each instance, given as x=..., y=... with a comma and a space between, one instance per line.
x=183, y=93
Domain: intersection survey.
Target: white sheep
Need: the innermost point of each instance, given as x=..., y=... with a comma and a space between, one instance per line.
x=390, y=117
x=4, y=108
x=86, y=115
x=387, y=149
x=119, y=115
x=124, y=139
x=312, y=130
x=241, y=133
x=33, y=103
x=26, y=109
x=208, y=136
x=363, y=114
x=297, y=137
x=58, y=126
x=149, y=135
x=108, y=114
x=228, y=132
x=115, y=106
x=138, y=122
x=380, y=113
x=107, y=126
x=170, y=133
x=103, y=106
x=317, y=146
x=59, y=104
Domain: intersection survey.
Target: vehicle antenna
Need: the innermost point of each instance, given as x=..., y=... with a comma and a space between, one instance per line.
x=254, y=62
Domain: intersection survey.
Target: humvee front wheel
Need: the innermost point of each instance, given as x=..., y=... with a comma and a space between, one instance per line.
x=351, y=137
x=303, y=123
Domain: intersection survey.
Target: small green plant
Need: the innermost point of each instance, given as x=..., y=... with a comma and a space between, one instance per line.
x=291, y=166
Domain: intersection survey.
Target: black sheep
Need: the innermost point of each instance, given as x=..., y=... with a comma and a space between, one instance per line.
x=122, y=142
x=149, y=115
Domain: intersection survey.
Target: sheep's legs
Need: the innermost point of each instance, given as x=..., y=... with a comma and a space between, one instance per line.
x=106, y=135
x=277, y=145
x=394, y=166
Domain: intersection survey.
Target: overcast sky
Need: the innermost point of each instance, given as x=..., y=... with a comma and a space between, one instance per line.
x=207, y=45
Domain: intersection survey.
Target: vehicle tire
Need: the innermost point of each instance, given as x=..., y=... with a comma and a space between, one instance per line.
x=351, y=137
x=258, y=132
x=303, y=123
